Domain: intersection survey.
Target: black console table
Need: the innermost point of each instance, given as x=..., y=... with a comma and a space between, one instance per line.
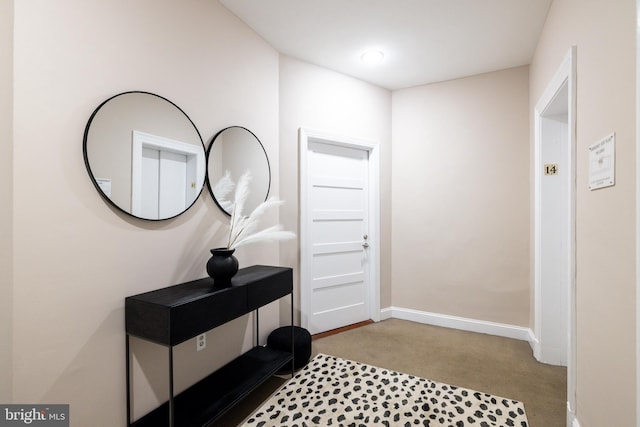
x=172, y=315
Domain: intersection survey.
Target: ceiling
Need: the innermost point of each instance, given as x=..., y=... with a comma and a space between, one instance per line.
x=423, y=41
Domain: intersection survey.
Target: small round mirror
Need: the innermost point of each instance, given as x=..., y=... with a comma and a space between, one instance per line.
x=144, y=155
x=232, y=152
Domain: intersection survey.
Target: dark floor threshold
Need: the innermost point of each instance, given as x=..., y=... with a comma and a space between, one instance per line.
x=342, y=329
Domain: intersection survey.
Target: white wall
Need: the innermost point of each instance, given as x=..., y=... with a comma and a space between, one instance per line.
x=6, y=195
x=460, y=199
x=604, y=33
x=75, y=258
x=320, y=99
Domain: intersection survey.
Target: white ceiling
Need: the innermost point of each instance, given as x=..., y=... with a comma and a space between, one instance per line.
x=424, y=41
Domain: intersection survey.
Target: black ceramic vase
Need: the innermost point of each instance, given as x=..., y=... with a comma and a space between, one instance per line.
x=222, y=266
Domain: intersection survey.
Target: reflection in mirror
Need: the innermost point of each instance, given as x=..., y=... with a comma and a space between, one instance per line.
x=144, y=155
x=233, y=151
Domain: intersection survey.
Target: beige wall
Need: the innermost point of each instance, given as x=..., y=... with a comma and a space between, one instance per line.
x=460, y=201
x=71, y=259
x=75, y=258
x=320, y=99
x=604, y=33
x=6, y=195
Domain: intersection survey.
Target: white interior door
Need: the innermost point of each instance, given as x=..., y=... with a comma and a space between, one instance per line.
x=337, y=286
x=164, y=175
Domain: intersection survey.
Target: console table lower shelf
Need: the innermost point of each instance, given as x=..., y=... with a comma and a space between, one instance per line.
x=204, y=402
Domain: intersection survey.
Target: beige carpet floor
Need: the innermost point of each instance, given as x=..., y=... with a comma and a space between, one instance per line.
x=495, y=365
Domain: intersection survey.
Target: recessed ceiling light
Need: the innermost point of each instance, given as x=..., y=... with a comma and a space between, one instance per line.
x=372, y=56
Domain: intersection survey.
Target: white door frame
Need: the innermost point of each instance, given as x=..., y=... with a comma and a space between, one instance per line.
x=565, y=74
x=307, y=136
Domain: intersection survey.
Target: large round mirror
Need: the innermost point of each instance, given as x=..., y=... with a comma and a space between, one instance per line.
x=145, y=155
x=232, y=152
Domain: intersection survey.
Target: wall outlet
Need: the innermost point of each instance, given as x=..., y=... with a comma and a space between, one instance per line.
x=201, y=342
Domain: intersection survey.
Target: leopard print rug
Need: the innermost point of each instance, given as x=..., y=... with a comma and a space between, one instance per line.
x=330, y=391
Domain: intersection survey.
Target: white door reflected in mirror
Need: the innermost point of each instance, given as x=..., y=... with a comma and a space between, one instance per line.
x=163, y=175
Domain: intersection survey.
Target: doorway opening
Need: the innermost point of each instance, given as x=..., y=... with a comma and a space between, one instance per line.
x=554, y=241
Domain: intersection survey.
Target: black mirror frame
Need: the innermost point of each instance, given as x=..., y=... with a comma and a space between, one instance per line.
x=208, y=181
x=95, y=183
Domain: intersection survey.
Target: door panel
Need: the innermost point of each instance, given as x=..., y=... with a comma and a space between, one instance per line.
x=350, y=294
x=339, y=198
x=340, y=262
x=331, y=231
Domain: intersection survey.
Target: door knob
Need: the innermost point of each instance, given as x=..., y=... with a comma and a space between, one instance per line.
x=365, y=245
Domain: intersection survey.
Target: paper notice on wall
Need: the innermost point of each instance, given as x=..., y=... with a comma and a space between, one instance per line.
x=105, y=186
x=602, y=163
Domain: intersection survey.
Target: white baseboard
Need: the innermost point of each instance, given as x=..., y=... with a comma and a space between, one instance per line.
x=534, y=343
x=572, y=421
x=462, y=323
x=385, y=313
